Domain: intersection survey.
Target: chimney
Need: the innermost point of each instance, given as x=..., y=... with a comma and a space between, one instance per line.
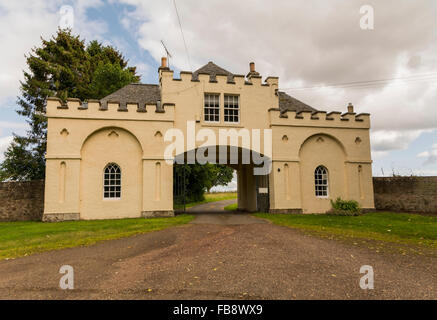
x=350, y=108
x=252, y=71
x=163, y=62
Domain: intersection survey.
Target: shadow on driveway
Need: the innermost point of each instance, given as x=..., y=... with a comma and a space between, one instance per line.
x=214, y=213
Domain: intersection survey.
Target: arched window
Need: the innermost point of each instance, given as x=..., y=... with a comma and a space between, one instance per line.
x=321, y=181
x=112, y=182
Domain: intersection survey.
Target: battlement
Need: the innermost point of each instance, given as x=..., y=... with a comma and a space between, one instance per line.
x=166, y=76
x=95, y=109
x=319, y=119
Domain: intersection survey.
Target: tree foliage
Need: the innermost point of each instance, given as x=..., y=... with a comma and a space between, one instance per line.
x=201, y=178
x=63, y=66
x=219, y=175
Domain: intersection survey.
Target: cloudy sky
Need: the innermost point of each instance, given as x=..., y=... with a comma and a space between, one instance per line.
x=317, y=48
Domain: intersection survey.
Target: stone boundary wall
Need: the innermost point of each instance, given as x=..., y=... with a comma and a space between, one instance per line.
x=406, y=194
x=21, y=201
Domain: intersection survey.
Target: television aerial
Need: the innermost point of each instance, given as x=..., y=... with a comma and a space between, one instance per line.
x=167, y=52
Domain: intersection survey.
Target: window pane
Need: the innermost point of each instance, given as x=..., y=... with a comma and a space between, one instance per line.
x=231, y=108
x=112, y=181
x=321, y=181
x=211, y=108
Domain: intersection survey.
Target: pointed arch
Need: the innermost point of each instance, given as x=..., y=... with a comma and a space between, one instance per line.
x=112, y=181
x=112, y=131
x=321, y=182
x=321, y=135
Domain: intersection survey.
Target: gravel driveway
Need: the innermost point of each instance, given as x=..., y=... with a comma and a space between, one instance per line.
x=207, y=259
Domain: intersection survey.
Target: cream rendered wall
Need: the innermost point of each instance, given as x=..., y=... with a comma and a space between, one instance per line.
x=360, y=188
x=110, y=145
x=322, y=150
x=69, y=132
x=293, y=136
x=278, y=189
x=255, y=99
x=52, y=203
x=188, y=97
x=76, y=136
x=157, y=195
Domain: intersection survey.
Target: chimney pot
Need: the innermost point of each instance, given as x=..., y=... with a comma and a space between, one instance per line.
x=350, y=108
x=163, y=62
x=252, y=67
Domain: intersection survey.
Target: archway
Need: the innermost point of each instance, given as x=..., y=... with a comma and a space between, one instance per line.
x=252, y=171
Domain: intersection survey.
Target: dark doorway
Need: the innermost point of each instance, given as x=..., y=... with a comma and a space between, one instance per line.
x=262, y=193
x=179, y=187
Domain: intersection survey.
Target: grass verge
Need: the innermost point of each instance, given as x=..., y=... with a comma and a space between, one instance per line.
x=232, y=207
x=401, y=228
x=25, y=238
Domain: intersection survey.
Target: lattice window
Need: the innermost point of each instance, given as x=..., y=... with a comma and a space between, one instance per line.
x=321, y=181
x=112, y=182
x=232, y=108
x=211, y=109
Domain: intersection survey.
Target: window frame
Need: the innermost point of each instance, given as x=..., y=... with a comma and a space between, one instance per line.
x=110, y=185
x=238, y=109
x=317, y=182
x=211, y=108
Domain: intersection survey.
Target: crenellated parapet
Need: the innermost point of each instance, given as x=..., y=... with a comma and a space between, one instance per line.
x=215, y=80
x=186, y=78
x=319, y=119
x=111, y=109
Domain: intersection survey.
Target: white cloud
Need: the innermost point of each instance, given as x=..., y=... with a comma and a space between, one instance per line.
x=379, y=154
x=425, y=172
x=424, y=154
x=310, y=42
x=4, y=144
x=304, y=42
x=142, y=69
x=17, y=127
x=23, y=23
x=13, y=125
x=430, y=155
x=387, y=140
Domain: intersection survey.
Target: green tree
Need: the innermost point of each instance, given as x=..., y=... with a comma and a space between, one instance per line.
x=218, y=175
x=201, y=178
x=108, y=78
x=63, y=66
x=109, y=69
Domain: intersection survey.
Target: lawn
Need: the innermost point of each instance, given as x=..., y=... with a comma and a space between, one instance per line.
x=386, y=226
x=210, y=197
x=232, y=207
x=25, y=238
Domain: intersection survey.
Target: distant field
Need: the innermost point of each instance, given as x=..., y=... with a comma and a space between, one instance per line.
x=211, y=197
x=386, y=226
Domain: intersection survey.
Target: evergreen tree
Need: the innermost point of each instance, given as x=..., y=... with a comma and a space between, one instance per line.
x=62, y=67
